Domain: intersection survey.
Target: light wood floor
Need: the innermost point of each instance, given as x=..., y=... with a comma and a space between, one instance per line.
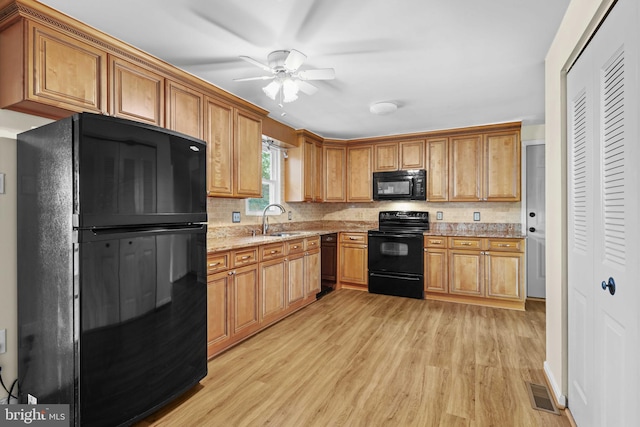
x=358, y=359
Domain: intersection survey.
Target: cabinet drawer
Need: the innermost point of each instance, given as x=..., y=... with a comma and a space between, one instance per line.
x=217, y=262
x=272, y=251
x=471, y=243
x=244, y=257
x=435, y=242
x=294, y=246
x=312, y=243
x=509, y=245
x=353, y=237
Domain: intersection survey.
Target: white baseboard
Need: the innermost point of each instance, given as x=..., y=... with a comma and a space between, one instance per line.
x=561, y=399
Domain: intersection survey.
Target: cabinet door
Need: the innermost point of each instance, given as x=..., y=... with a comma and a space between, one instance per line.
x=385, y=157
x=435, y=270
x=335, y=167
x=502, y=166
x=184, y=109
x=353, y=264
x=412, y=154
x=309, y=164
x=296, y=276
x=245, y=316
x=64, y=72
x=504, y=275
x=318, y=173
x=219, y=137
x=312, y=273
x=272, y=289
x=466, y=273
x=465, y=168
x=437, y=169
x=218, y=315
x=359, y=186
x=136, y=93
x=248, y=154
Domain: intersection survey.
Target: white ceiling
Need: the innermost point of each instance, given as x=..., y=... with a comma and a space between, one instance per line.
x=445, y=63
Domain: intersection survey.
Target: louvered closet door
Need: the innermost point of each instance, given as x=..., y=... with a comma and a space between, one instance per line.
x=603, y=216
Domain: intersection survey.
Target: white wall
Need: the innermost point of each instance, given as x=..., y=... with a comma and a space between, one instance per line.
x=579, y=23
x=10, y=124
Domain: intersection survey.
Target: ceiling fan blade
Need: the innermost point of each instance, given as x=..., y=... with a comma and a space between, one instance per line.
x=248, y=79
x=306, y=87
x=294, y=60
x=257, y=63
x=318, y=74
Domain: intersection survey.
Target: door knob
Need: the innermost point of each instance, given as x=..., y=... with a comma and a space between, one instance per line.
x=611, y=284
x=532, y=229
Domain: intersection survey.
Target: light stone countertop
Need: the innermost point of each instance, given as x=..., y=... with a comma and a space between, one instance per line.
x=506, y=231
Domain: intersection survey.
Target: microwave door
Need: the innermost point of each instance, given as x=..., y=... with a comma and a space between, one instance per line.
x=395, y=189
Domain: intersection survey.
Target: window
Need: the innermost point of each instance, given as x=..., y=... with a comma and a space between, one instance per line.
x=270, y=182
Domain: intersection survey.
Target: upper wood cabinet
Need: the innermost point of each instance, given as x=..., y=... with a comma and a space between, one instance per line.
x=502, y=166
x=219, y=137
x=465, y=168
x=485, y=167
x=185, y=109
x=247, y=154
x=50, y=73
x=234, y=151
x=335, y=167
x=359, y=174
x=385, y=157
x=411, y=154
x=303, y=170
x=391, y=156
x=437, y=169
x=136, y=93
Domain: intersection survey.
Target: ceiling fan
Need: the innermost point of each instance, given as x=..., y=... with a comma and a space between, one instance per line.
x=287, y=78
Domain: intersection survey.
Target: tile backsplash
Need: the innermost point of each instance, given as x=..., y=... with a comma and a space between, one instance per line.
x=220, y=212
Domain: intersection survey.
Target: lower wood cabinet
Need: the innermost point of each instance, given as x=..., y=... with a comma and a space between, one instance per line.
x=436, y=265
x=251, y=288
x=312, y=273
x=353, y=255
x=486, y=271
x=272, y=289
x=245, y=296
x=232, y=306
x=295, y=278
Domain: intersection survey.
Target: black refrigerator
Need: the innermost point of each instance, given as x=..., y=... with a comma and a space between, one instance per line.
x=111, y=267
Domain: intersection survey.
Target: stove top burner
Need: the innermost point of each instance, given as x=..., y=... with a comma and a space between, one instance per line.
x=403, y=221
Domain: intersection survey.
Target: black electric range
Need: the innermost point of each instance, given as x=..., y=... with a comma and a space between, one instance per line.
x=396, y=263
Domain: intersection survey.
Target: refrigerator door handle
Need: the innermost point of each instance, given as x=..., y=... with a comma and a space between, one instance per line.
x=128, y=232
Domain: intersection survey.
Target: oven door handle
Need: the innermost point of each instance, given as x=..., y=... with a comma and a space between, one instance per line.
x=399, y=236
x=389, y=276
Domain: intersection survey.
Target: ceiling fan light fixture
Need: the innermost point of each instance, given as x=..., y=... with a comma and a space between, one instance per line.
x=290, y=90
x=382, y=108
x=272, y=89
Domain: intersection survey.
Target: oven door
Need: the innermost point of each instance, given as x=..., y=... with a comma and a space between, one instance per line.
x=395, y=252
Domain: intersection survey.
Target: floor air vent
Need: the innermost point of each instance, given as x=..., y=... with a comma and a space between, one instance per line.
x=541, y=399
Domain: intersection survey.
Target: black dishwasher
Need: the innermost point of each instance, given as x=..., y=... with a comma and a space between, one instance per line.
x=328, y=263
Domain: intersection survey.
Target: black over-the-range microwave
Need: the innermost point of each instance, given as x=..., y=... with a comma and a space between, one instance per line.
x=400, y=185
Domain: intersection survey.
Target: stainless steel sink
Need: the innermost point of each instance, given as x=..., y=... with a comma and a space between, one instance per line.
x=284, y=234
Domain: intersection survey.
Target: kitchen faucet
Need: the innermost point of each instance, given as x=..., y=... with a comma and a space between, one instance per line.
x=265, y=221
